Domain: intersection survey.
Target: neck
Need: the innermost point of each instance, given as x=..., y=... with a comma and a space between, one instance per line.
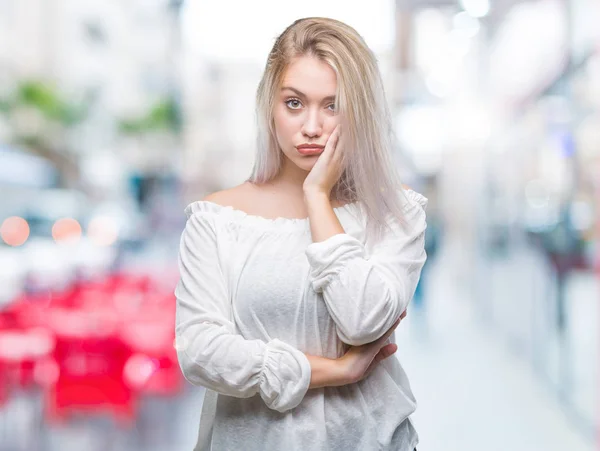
x=291, y=178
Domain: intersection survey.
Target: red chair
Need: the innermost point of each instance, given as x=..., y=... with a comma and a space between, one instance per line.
x=20, y=352
x=153, y=368
x=111, y=342
x=91, y=360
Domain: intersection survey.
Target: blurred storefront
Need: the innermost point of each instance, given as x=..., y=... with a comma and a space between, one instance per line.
x=498, y=108
x=538, y=223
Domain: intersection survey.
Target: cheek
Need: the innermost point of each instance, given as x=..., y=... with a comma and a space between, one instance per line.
x=286, y=125
x=331, y=122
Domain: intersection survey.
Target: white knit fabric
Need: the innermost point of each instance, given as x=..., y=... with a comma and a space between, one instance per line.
x=256, y=294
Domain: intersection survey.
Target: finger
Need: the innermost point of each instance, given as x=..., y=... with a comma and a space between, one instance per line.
x=338, y=135
x=391, y=329
x=333, y=140
x=389, y=332
x=383, y=353
x=339, y=144
x=378, y=358
x=403, y=315
x=388, y=349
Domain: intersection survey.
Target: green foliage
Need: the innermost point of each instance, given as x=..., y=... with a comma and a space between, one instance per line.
x=44, y=98
x=162, y=116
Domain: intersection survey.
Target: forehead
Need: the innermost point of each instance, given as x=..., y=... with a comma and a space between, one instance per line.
x=311, y=76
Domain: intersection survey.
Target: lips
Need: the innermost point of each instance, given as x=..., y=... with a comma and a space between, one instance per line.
x=309, y=150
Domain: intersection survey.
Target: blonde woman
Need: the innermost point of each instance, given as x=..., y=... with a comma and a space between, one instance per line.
x=293, y=282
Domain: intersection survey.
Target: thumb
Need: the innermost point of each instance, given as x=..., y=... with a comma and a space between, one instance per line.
x=383, y=353
x=389, y=349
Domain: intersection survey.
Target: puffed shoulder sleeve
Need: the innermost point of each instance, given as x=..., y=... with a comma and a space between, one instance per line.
x=210, y=351
x=366, y=290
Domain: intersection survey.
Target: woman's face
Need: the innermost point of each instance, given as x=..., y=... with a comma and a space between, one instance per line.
x=304, y=111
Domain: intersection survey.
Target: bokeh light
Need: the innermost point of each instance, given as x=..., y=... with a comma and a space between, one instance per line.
x=138, y=370
x=103, y=231
x=14, y=231
x=66, y=230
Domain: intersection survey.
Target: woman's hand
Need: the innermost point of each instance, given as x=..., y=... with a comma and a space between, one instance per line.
x=327, y=169
x=360, y=361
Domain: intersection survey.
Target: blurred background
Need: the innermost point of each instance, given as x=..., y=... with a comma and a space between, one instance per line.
x=114, y=114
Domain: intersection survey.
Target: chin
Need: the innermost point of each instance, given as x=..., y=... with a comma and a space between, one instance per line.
x=306, y=164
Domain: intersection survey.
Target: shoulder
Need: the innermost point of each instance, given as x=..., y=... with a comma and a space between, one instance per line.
x=219, y=197
x=235, y=198
x=414, y=197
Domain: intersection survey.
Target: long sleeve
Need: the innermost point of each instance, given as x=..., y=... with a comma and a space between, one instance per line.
x=210, y=352
x=366, y=292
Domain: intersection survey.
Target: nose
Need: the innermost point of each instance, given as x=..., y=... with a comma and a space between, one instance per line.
x=313, y=125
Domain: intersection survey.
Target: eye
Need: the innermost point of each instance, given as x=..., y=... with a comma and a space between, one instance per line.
x=295, y=105
x=332, y=106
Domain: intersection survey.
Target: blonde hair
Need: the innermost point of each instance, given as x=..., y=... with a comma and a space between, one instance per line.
x=370, y=177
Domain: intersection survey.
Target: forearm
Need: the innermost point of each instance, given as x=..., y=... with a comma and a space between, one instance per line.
x=324, y=223
x=325, y=372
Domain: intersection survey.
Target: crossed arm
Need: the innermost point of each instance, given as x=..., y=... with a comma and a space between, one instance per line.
x=364, y=294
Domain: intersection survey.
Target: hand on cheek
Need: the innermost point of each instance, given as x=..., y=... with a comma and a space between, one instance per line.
x=327, y=170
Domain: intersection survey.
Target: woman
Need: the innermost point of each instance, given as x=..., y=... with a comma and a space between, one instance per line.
x=292, y=283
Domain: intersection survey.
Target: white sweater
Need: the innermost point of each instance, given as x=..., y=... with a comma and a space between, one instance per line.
x=256, y=294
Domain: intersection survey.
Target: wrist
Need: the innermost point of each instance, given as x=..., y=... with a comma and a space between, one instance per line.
x=313, y=194
x=326, y=372
x=342, y=372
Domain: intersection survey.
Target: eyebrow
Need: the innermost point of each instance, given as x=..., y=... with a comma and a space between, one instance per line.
x=301, y=94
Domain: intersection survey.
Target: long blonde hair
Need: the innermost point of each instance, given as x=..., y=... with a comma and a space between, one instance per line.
x=370, y=177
